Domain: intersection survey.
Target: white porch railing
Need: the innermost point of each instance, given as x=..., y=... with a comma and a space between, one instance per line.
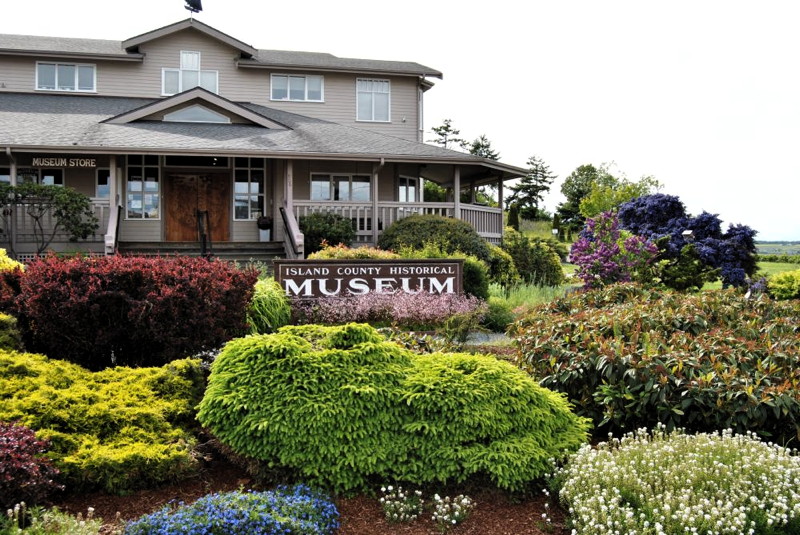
x=487, y=221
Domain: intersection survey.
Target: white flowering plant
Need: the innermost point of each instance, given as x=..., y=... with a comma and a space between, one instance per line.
x=661, y=483
x=448, y=512
x=400, y=505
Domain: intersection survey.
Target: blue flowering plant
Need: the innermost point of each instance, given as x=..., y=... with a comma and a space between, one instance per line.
x=291, y=510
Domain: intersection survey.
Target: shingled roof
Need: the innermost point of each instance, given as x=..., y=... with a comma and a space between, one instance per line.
x=27, y=124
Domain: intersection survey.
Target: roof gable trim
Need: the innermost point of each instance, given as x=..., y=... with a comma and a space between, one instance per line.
x=195, y=24
x=191, y=97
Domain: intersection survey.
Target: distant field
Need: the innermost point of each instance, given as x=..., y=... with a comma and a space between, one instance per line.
x=791, y=247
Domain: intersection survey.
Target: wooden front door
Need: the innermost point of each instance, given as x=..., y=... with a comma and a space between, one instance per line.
x=187, y=194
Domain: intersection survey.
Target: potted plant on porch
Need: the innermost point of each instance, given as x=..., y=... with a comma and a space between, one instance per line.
x=264, y=224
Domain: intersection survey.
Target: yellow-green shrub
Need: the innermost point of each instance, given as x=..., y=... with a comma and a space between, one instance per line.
x=342, y=406
x=785, y=285
x=9, y=264
x=118, y=429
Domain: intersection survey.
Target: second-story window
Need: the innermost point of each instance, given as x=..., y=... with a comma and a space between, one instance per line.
x=65, y=77
x=372, y=100
x=301, y=88
x=188, y=76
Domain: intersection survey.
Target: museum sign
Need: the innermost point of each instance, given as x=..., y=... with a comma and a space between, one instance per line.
x=341, y=278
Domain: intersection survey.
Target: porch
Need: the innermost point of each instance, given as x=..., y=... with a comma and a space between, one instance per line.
x=487, y=220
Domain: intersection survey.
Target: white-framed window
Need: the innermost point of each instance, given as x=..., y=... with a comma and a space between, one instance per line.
x=373, y=100
x=44, y=176
x=248, y=188
x=143, y=188
x=189, y=75
x=102, y=189
x=336, y=187
x=77, y=77
x=408, y=189
x=297, y=87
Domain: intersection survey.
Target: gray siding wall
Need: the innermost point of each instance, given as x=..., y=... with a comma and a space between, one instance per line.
x=134, y=79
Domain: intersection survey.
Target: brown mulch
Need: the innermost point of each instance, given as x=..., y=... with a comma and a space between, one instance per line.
x=495, y=512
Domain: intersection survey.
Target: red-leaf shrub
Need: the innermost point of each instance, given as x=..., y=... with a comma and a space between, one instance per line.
x=25, y=473
x=133, y=311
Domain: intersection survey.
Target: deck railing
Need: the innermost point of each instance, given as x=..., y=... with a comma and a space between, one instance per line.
x=487, y=221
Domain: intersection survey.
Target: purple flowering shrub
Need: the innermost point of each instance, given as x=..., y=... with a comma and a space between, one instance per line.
x=661, y=216
x=605, y=254
x=417, y=310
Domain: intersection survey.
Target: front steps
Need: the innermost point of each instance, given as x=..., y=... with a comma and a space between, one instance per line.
x=235, y=251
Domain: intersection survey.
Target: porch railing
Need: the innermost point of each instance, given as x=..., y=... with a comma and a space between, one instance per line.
x=23, y=224
x=487, y=221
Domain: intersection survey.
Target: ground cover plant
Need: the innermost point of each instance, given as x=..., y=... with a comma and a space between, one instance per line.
x=134, y=311
x=117, y=429
x=297, y=509
x=343, y=406
x=25, y=520
x=630, y=357
x=664, y=483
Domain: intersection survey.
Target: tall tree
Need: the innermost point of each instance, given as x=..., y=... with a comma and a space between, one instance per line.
x=530, y=190
x=483, y=147
x=447, y=136
x=575, y=187
x=609, y=192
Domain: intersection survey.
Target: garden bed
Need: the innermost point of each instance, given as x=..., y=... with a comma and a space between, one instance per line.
x=495, y=513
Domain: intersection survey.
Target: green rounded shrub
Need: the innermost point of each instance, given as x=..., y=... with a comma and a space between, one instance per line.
x=535, y=259
x=475, y=271
x=269, y=308
x=451, y=235
x=325, y=227
x=10, y=337
x=785, y=285
x=118, y=429
x=498, y=315
x=501, y=267
x=343, y=406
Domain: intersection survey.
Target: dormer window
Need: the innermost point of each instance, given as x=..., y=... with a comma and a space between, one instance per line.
x=196, y=114
x=298, y=88
x=188, y=76
x=65, y=77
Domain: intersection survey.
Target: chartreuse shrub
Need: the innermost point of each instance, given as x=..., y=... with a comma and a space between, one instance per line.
x=9, y=264
x=785, y=285
x=269, y=308
x=343, y=407
x=631, y=357
x=134, y=311
x=663, y=483
x=285, y=510
x=117, y=430
x=343, y=252
x=26, y=474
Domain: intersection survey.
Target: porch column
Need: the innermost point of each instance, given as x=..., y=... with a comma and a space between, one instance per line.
x=500, y=204
x=376, y=170
x=113, y=187
x=288, y=187
x=457, y=192
x=472, y=192
x=12, y=231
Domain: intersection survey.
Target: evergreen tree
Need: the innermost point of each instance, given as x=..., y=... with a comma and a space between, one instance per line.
x=447, y=136
x=530, y=190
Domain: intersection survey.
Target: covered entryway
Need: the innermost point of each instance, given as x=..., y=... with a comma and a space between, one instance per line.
x=195, y=202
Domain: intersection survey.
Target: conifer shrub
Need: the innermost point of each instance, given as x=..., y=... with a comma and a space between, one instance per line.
x=475, y=271
x=321, y=228
x=451, y=235
x=10, y=337
x=269, y=308
x=785, y=285
x=344, y=407
x=118, y=429
x=343, y=252
x=26, y=474
x=535, y=259
x=630, y=357
x=134, y=311
x=290, y=510
x=502, y=270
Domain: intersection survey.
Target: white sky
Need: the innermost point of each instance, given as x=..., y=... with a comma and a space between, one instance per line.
x=702, y=94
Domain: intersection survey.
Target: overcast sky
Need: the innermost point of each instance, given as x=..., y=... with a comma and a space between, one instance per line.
x=704, y=95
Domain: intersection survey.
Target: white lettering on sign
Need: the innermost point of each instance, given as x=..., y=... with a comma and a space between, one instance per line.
x=64, y=162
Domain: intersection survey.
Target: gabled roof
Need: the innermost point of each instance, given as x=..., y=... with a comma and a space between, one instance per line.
x=289, y=60
x=59, y=47
x=133, y=42
x=190, y=97
x=85, y=126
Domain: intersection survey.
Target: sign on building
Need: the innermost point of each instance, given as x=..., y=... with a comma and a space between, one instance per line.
x=340, y=278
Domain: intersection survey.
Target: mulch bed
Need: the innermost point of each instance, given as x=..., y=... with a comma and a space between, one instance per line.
x=495, y=513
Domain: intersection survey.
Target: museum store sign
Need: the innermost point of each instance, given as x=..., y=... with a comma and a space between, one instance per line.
x=341, y=278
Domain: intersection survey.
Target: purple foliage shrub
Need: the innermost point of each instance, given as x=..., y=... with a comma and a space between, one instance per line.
x=25, y=473
x=606, y=255
x=422, y=309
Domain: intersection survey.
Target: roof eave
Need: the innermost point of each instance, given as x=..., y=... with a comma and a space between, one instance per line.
x=131, y=57
x=254, y=64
